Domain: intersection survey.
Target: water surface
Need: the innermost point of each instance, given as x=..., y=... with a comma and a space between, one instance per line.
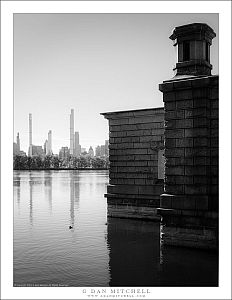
x=96, y=251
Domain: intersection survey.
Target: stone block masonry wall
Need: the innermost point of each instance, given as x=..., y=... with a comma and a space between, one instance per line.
x=214, y=146
x=135, y=184
x=190, y=199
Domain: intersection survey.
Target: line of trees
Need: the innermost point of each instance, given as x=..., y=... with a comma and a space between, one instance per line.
x=54, y=162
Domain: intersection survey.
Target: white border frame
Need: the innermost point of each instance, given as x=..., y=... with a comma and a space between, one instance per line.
x=7, y=11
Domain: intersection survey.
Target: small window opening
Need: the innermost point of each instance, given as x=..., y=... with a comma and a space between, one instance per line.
x=207, y=55
x=186, y=51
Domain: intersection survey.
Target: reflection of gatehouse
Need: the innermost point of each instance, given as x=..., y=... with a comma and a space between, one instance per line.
x=181, y=189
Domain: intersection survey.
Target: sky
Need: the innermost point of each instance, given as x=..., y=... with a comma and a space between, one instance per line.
x=93, y=63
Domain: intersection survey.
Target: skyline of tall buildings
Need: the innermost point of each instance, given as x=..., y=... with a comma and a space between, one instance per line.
x=102, y=150
x=74, y=150
x=39, y=150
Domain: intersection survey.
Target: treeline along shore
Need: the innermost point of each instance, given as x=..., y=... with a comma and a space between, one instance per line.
x=53, y=162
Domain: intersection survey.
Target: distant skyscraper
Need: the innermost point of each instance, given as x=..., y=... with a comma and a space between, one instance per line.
x=37, y=150
x=106, y=147
x=15, y=149
x=98, y=151
x=76, y=138
x=72, y=132
x=49, y=142
x=64, y=153
x=16, y=146
x=18, y=142
x=91, y=152
x=46, y=147
x=30, y=135
x=103, y=150
x=77, y=148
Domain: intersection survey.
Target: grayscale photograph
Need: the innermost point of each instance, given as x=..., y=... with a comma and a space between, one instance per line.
x=115, y=151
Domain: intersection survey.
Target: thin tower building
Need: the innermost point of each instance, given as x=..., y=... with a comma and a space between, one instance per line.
x=18, y=142
x=72, y=132
x=49, y=152
x=77, y=148
x=30, y=135
x=46, y=147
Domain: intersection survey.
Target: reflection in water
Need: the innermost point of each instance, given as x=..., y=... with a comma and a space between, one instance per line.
x=74, y=196
x=72, y=215
x=48, y=188
x=97, y=252
x=31, y=198
x=18, y=193
x=137, y=259
x=76, y=193
x=188, y=267
x=134, y=252
x=48, y=252
x=161, y=245
x=17, y=179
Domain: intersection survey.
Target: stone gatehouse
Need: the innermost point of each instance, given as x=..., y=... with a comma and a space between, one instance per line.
x=164, y=161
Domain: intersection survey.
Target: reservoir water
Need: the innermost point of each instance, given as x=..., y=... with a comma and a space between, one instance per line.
x=96, y=251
